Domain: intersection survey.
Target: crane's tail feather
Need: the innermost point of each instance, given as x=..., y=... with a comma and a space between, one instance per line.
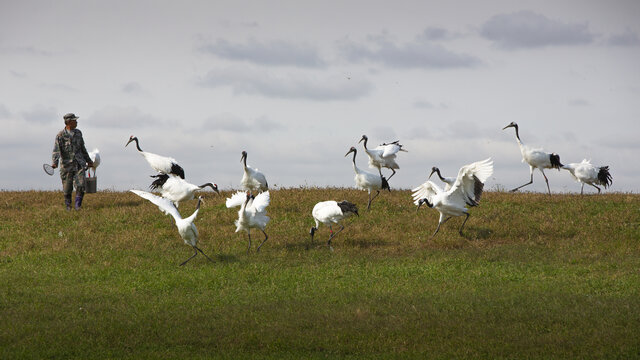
x=604, y=177
x=555, y=161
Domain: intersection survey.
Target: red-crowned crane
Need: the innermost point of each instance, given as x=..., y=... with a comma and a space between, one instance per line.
x=252, y=213
x=467, y=190
x=448, y=181
x=252, y=179
x=366, y=180
x=95, y=158
x=176, y=189
x=161, y=164
x=384, y=155
x=536, y=158
x=186, y=227
x=331, y=212
x=586, y=173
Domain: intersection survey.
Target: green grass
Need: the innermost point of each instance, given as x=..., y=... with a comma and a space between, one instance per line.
x=533, y=276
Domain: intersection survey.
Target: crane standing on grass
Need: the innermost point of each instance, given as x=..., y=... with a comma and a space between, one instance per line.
x=586, y=173
x=536, y=158
x=186, y=227
x=252, y=179
x=383, y=155
x=161, y=164
x=331, y=212
x=366, y=180
x=467, y=190
x=252, y=213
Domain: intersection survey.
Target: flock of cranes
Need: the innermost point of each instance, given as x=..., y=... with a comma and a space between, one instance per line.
x=253, y=199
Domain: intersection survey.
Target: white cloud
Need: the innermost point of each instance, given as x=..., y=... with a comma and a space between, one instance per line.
x=123, y=118
x=527, y=29
x=41, y=114
x=417, y=54
x=273, y=53
x=288, y=85
x=627, y=38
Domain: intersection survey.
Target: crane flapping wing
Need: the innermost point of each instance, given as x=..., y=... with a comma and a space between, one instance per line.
x=470, y=181
x=427, y=190
x=165, y=205
x=261, y=202
x=236, y=199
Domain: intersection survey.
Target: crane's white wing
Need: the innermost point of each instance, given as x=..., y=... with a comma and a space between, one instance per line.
x=390, y=149
x=427, y=190
x=470, y=181
x=261, y=202
x=327, y=211
x=236, y=199
x=163, y=204
x=95, y=157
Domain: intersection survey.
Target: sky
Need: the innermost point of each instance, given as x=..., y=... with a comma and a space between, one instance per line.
x=297, y=83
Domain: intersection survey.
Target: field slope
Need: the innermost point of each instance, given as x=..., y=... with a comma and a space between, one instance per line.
x=534, y=276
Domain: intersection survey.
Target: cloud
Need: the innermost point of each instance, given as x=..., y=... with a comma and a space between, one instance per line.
x=289, y=85
x=132, y=88
x=627, y=38
x=417, y=54
x=578, y=102
x=122, y=117
x=4, y=112
x=526, y=29
x=274, y=53
x=234, y=124
x=24, y=50
x=41, y=114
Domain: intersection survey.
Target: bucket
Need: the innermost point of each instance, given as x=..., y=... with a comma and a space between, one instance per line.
x=91, y=185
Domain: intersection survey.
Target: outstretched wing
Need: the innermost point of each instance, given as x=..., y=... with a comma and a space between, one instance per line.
x=261, y=202
x=427, y=190
x=165, y=205
x=390, y=148
x=236, y=199
x=470, y=181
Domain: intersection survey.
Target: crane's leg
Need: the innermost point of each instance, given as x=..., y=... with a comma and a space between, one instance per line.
x=547, y=181
x=371, y=199
x=529, y=183
x=312, y=231
x=205, y=255
x=393, y=173
x=334, y=235
x=582, y=189
x=195, y=252
x=265, y=239
x=249, y=234
x=443, y=220
x=464, y=222
x=595, y=187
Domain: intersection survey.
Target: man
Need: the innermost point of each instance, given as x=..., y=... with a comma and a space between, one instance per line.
x=74, y=158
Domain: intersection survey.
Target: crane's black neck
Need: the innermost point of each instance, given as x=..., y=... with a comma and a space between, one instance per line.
x=440, y=176
x=137, y=144
x=365, y=142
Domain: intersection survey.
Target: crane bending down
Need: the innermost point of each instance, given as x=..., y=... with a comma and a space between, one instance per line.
x=161, y=164
x=586, y=173
x=366, y=180
x=331, y=212
x=186, y=227
x=95, y=158
x=383, y=155
x=448, y=181
x=176, y=189
x=252, y=213
x=252, y=179
x=536, y=158
x=466, y=190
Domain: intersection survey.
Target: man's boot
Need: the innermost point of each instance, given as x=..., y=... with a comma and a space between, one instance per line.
x=67, y=201
x=79, y=201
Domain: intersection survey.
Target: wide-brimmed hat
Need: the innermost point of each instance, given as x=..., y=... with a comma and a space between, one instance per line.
x=70, y=116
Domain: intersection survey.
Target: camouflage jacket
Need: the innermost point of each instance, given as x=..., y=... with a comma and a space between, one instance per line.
x=69, y=146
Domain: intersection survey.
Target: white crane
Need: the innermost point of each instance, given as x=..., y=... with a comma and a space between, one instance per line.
x=95, y=158
x=467, y=190
x=448, y=181
x=586, y=173
x=252, y=213
x=383, y=155
x=536, y=158
x=186, y=227
x=252, y=179
x=161, y=164
x=366, y=180
x=331, y=212
x=176, y=189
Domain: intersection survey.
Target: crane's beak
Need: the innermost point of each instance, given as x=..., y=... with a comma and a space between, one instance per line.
x=508, y=126
x=348, y=152
x=128, y=142
x=432, y=171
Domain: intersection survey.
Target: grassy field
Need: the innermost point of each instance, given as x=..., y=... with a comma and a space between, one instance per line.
x=534, y=276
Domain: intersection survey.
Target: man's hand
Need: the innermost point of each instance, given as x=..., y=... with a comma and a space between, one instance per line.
x=90, y=164
x=54, y=165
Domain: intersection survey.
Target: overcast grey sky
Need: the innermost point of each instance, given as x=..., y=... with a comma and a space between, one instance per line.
x=296, y=83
